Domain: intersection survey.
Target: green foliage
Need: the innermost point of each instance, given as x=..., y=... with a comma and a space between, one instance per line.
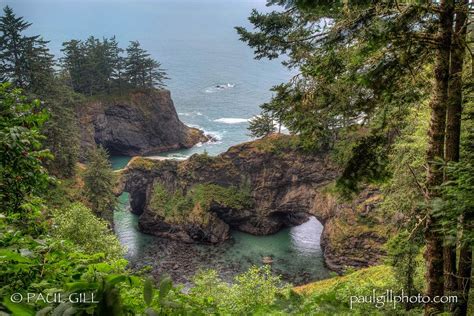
x=333, y=296
x=457, y=200
x=141, y=70
x=97, y=66
x=354, y=76
x=261, y=125
x=407, y=165
x=25, y=61
x=457, y=193
x=62, y=131
x=231, y=197
x=404, y=256
x=177, y=206
x=254, y=291
x=38, y=264
x=367, y=163
x=99, y=181
x=22, y=175
x=91, y=64
x=168, y=205
x=78, y=224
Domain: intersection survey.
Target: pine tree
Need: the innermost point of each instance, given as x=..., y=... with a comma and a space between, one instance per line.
x=118, y=64
x=452, y=151
x=74, y=62
x=97, y=66
x=62, y=131
x=135, y=64
x=141, y=70
x=261, y=125
x=99, y=181
x=24, y=60
x=155, y=75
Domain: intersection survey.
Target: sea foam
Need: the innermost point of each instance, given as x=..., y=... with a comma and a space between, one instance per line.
x=231, y=120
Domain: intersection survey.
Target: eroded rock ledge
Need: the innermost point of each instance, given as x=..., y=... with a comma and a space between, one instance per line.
x=256, y=187
x=140, y=122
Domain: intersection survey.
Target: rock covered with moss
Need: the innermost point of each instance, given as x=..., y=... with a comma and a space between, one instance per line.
x=192, y=216
x=256, y=187
x=355, y=230
x=138, y=122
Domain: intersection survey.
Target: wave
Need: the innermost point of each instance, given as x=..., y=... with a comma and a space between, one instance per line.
x=219, y=87
x=231, y=120
x=169, y=157
x=216, y=137
x=193, y=126
x=194, y=113
x=213, y=134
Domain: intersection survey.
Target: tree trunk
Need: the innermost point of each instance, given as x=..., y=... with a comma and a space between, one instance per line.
x=453, y=128
x=465, y=255
x=436, y=133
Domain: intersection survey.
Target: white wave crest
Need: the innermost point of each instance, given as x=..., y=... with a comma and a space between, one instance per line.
x=169, y=157
x=194, y=113
x=231, y=120
x=215, y=136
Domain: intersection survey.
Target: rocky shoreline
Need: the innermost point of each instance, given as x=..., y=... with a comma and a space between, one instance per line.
x=280, y=185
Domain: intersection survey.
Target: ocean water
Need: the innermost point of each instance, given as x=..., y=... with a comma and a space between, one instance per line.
x=216, y=83
x=217, y=86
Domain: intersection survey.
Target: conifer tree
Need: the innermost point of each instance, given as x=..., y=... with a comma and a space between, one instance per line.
x=99, y=181
x=141, y=70
x=97, y=66
x=74, y=62
x=62, y=130
x=25, y=61
x=261, y=125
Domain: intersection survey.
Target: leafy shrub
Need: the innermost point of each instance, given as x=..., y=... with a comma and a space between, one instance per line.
x=253, y=291
x=78, y=224
x=22, y=175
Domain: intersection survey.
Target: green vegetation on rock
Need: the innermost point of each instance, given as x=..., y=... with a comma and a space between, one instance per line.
x=177, y=207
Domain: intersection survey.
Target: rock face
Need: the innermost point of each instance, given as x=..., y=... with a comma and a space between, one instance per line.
x=277, y=182
x=138, y=123
x=257, y=187
x=354, y=231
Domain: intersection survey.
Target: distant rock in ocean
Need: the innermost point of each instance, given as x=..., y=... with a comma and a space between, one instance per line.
x=140, y=122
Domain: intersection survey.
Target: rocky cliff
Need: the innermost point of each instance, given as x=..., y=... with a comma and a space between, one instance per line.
x=256, y=187
x=139, y=122
x=355, y=231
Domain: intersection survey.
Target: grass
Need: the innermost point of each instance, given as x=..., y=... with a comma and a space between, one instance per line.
x=141, y=163
x=377, y=276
